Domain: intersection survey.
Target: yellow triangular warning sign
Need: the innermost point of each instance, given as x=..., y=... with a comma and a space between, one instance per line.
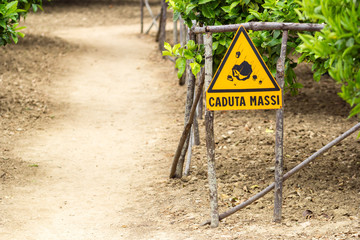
x=243, y=81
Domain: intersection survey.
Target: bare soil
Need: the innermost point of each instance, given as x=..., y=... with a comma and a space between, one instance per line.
x=90, y=119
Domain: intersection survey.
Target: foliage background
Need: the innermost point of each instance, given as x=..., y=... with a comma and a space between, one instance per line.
x=10, y=14
x=334, y=50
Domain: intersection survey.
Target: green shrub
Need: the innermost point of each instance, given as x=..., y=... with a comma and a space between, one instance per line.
x=10, y=14
x=335, y=49
x=214, y=12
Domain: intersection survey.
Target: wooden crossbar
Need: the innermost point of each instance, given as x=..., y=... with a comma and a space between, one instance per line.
x=259, y=26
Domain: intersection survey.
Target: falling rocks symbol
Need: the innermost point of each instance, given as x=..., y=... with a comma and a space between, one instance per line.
x=242, y=72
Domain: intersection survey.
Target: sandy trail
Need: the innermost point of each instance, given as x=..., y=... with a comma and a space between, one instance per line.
x=92, y=156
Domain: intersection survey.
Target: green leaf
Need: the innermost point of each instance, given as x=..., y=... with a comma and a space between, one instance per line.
x=198, y=58
x=215, y=45
x=2, y=24
x=20, y=28
x=167, y=46
x=191, y=45
x=234, y=4
x=180, y=64
x=167, y=53
x=249, y=18
x=226, y=9
x=276, y=33
x=205, y=1
x=317, y=76
x=207, y=11
x=15, y=38
x=11, y=6
x=175, y=49
x=195, y=68
x=188, y=54
x=34, y=7
x=274, y=42
x=22, y=35
x=176, y=16
x=355, y=111
x=190, y=7
x=350, y=42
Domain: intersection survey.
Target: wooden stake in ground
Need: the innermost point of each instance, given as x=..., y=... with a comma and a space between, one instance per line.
x=162, y=26
x=152, y=24
x=279, y=134
x=141, y=16
x=199, y=109
x=175, y=31
x=210, y=142
x=187, y=129
x=196, y=127
x=150, y=12
x=189, y=103
x=182, y=80
x=194, y=135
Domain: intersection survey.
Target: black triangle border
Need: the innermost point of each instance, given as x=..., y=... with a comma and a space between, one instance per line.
x=223, y=61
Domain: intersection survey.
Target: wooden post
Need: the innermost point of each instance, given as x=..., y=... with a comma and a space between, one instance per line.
x=258, y=26
x=150, y=12
x=189, y=103
x=196, y=132
x=194, y=135
x=187, y=129
x=196, y=124
x=141, y=16
x=182, y=80
x=210, y=142
x=279, y=134
x=182, y=32
x=199, y=109
x=189, y=151
x=152, y=24
x=175, y=31
x=162, y=26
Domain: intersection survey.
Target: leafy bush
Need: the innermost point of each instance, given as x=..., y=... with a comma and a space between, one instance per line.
x=269, y=42
x=10, y=14
x=335, y=49
x=214, y=12
x=191, y=51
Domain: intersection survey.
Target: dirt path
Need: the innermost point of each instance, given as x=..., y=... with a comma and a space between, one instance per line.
x=91, y=159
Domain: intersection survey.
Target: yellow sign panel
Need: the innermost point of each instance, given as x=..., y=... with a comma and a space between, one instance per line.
x=243, y=81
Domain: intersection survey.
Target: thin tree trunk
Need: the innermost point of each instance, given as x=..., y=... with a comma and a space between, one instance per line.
x=183, y=34
x=162, y=26
x=189, y=152
x=199, y=109
x=210, y=142
x=152, y=24
x=186, y=131
x=175, y=31
x=196, y=128
x=194, y=136
x=141, y=16
x=279, y=135
x=150, y=12
x=189, y=103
